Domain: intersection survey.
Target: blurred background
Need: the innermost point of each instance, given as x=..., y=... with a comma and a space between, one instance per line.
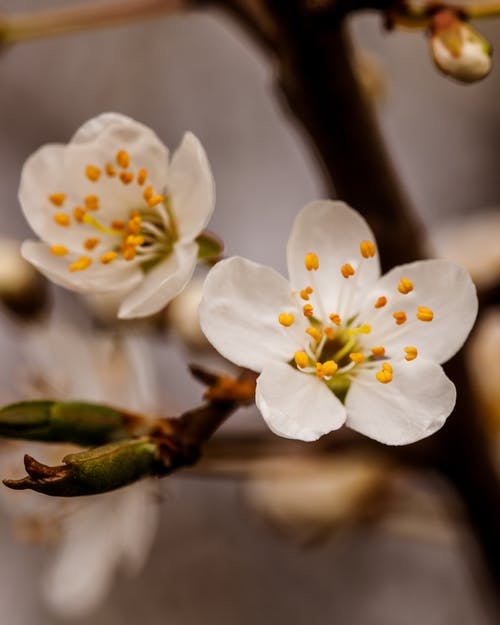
x=263, y=552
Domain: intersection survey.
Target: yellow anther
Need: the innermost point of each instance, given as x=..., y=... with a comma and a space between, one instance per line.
x=93, y=173
x=314, y=333
x=378, y=351
x=367, y=249
x=134, y=240
x=357, y=357
x=399, y=317
x=334, y=318
x=308, y=310
x=90, y=244
x=326, y=369
x=301, y=359
x=118, y=225
x=108, y=257
x=126, y=177
x=57, y=198
x=92, y=202
x=155, y=200
x=148, y=193
x=347, y=270
x=129, y=253
x=386, y=367
x=384, y=376
x=381, y=302
x=411, y=353
x=82, y=263
x=62, y=219
x=110, y=170
x=135, y=225
x=405, y=286
x=58, y=250
x=329, y=333
x=142, y=174
x=286, y=319
x=79, y=214
x=123, y=159
x=311, y=261
x=304, y=294
x=425, y=314
x=362, y=329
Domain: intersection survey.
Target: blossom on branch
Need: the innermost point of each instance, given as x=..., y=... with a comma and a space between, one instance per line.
x=114, y=214
x=338, y=343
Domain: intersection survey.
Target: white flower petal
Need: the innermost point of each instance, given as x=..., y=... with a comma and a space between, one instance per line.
x=440, y=285
x=98, y=277
x=414, y=405
x=297, y=405
x=333, y=231
x=192, y=187
x=97, y=143
x=162, y=283
x=239, y=314
x=41, y=176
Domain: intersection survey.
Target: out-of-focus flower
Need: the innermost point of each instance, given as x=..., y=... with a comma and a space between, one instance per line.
x=115, y=214
x=337, y=343
x=94, y=535
x=307, y=496
x=458, y=50
x=182, y=313
x=473, y=243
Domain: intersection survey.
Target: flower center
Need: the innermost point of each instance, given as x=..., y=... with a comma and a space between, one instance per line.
x=146, y=233
x=335, y=349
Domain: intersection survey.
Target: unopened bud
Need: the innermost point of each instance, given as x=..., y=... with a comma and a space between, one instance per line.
x=458, y=50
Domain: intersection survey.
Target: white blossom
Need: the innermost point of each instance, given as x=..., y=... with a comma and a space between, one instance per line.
x=115, y=214
x=338, y=343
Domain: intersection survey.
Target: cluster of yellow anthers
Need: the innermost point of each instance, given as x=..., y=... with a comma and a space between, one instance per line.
x=321, y=333
x=129, y=237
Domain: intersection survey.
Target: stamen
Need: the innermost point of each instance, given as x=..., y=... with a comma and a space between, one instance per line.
x=92, y=202
x=57, y=198
x=110, y=170
x=347, y=270
x=123, y=159
x=129, y=253
x=326, y=369
x=82, y=263
x=79, y=214
x=381, y=302
x=385, y=374
x=399, y=317
x=90, y=244
x=126, y=177
x=367, y=249
x=314, y=333
x=311, y=262
x=118, y=225
x=134, y=240
x=378, y=351
x=59, y=250
x=334, y=318
x=148, y=193
x=362, y=329
x=142, y=174
x=301, y=359
x=135, y=224
x=62, y=219
x=304, y=294
x=93, y=173
x=357, y=357
x=405, y=286
x=155, y=200
x=425, y=314
x=108, y=257
x=308, y=310
x=329, y=333
x=286, y=319
x=411, y=353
